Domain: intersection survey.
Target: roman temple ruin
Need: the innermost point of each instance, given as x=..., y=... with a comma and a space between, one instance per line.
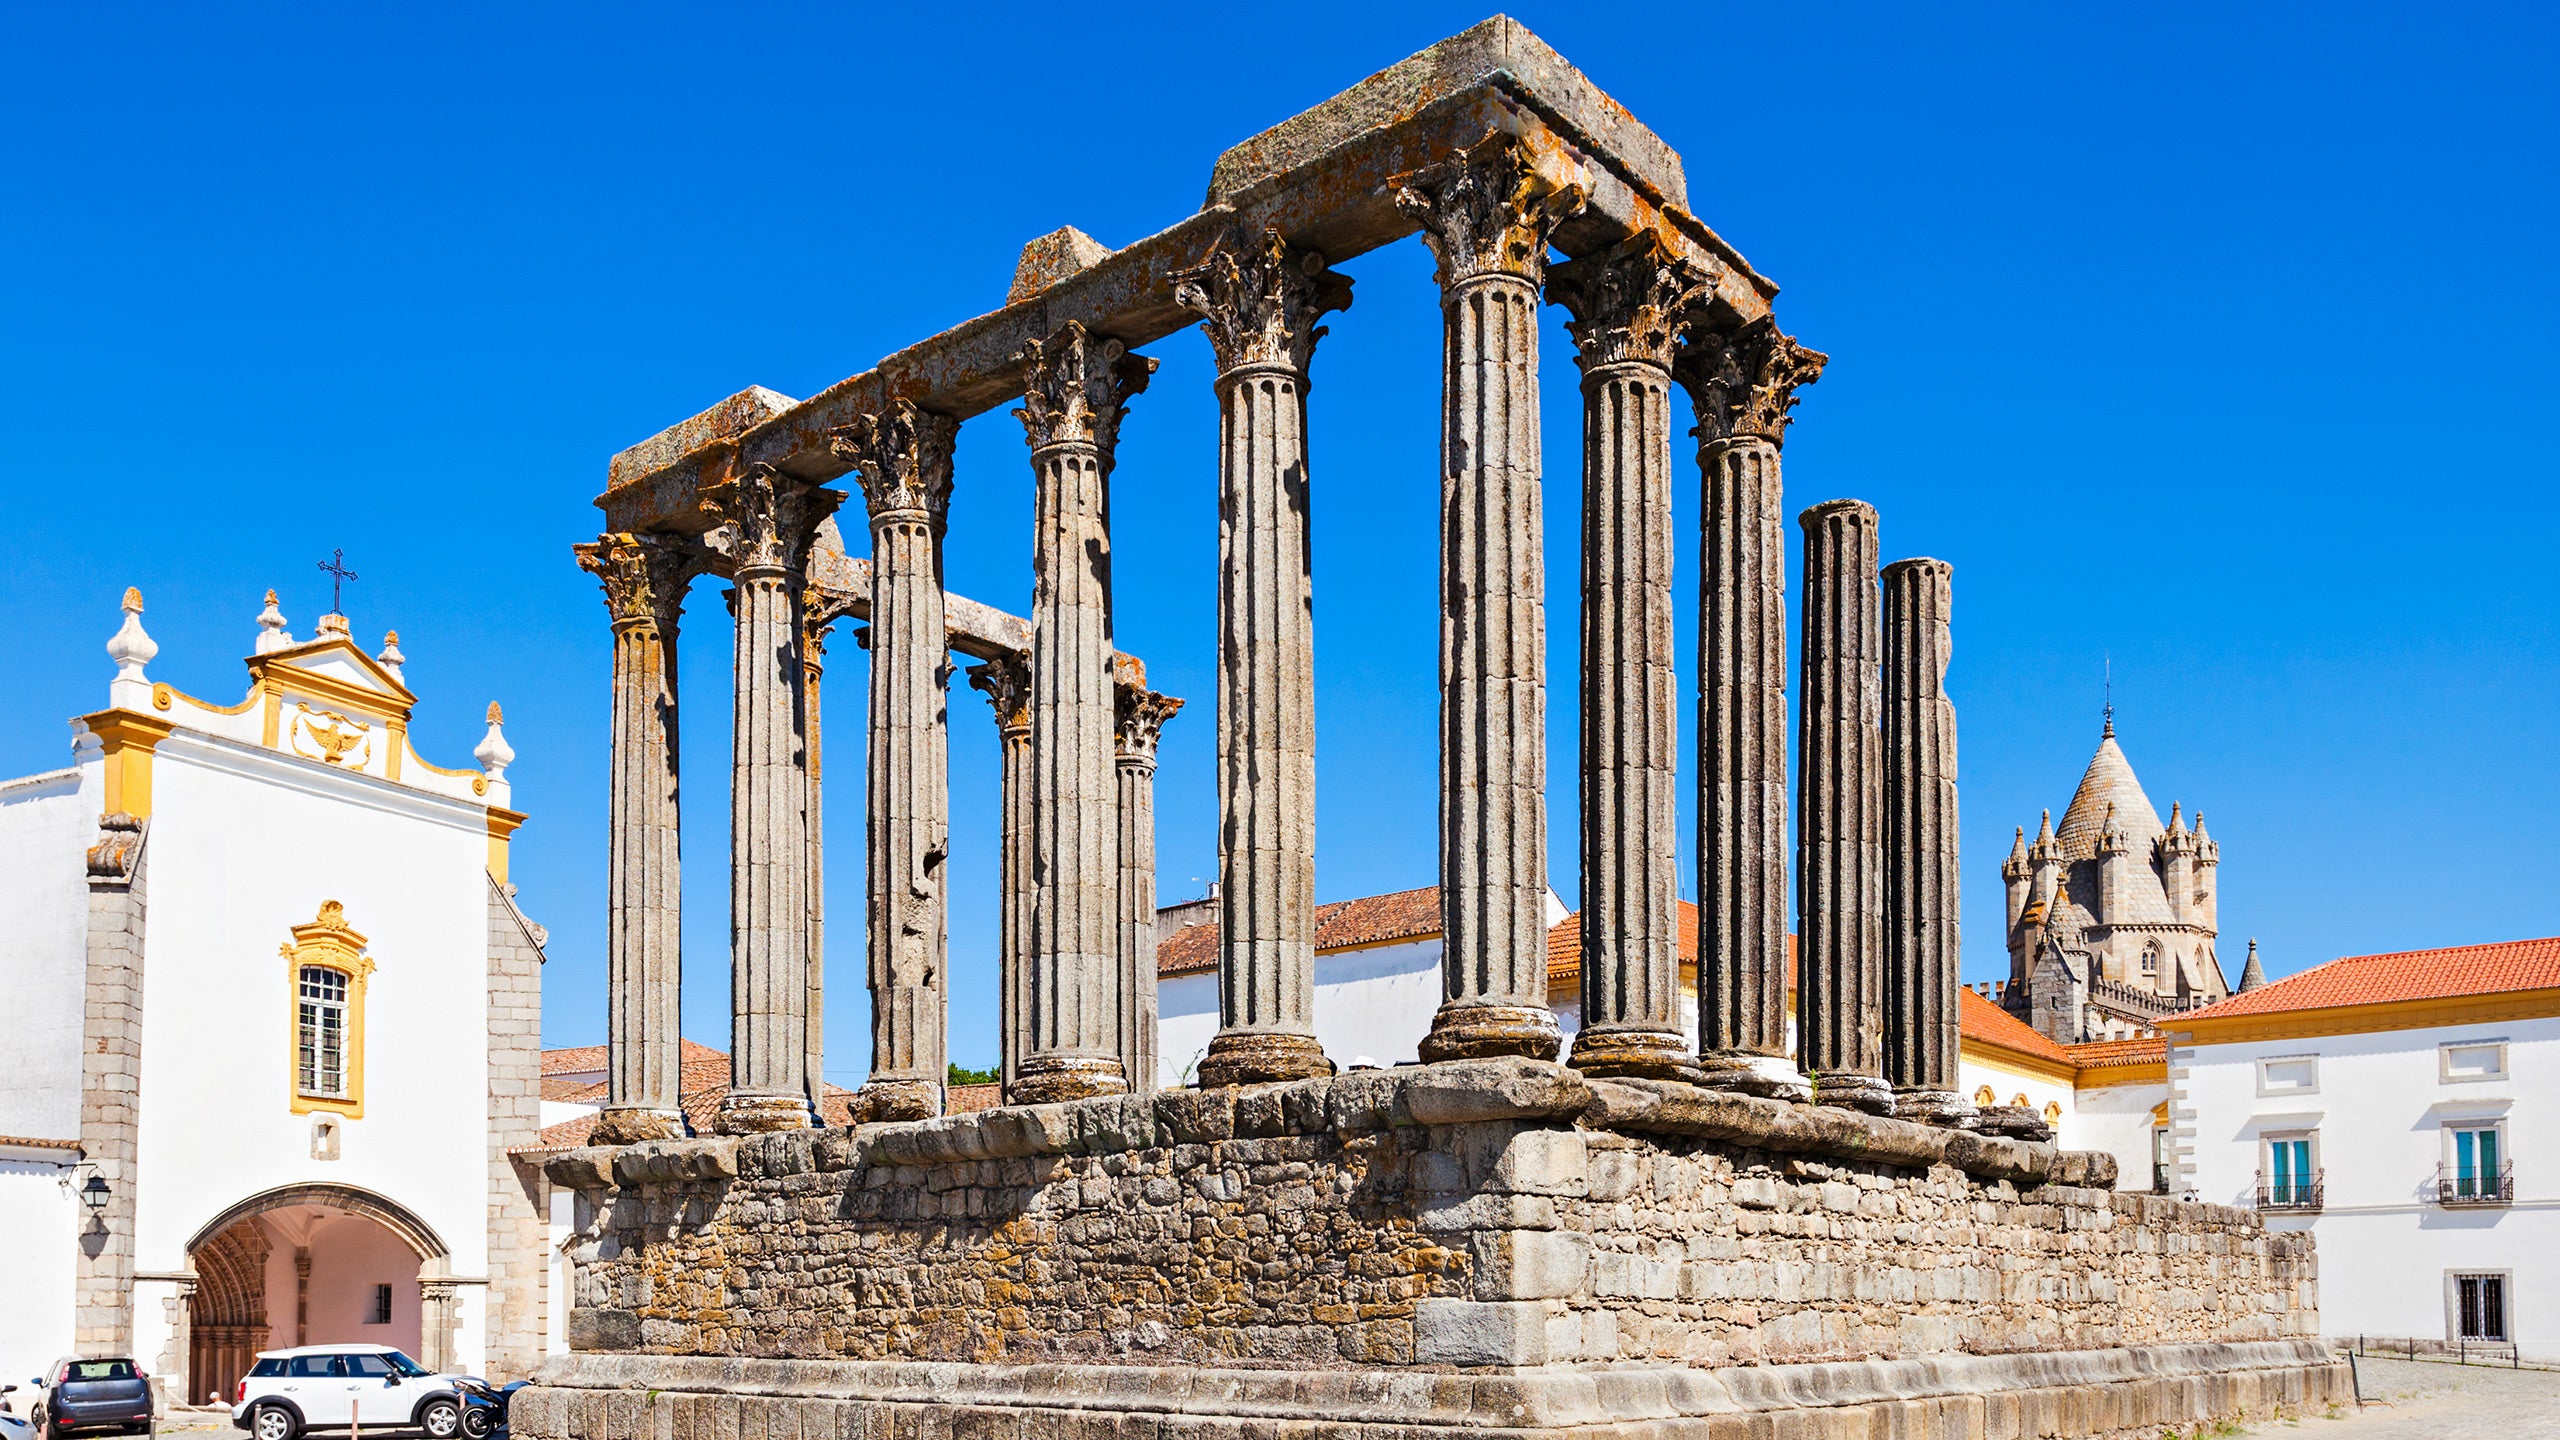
x=1655, y=1233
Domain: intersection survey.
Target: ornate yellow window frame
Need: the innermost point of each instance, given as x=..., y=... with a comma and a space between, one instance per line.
x=329, y=943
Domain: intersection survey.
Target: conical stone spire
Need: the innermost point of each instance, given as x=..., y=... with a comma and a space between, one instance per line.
x=2252, y=975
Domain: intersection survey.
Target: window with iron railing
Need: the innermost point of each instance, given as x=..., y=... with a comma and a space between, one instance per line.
x=2478, y=1174
x=2290, y=1182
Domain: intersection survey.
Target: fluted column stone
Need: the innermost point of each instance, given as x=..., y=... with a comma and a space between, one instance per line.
x=1259, y=299
x=1921, y=891
x=1076, y=388
x=1628, y=305
x=644, y=579
x=1840, y=816
x=1741, y=385
x=1142, y=716
x=767, y=521
x=1487, y=216
x=1006, y=682
x=816, y=620
x=902, y=458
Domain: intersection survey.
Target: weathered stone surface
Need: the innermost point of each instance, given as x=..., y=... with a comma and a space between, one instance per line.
x=1258, y=300
x=2132, y=1392
x=1492, y=1089
x=1006, y=682
x=1142, y=716
x=1840, y=811
x=1053, y=257
x=1922, y=893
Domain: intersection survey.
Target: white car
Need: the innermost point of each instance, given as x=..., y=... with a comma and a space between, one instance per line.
x=344, y=1387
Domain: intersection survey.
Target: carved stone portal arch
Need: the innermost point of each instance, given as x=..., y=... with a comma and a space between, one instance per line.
x=227, y=1318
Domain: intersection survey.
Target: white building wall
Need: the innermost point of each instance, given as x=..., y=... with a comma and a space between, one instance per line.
x=1373, y=1006
x=2380, y=1113
x=2116, y=1119
x=41, y=1217
x=245, y=845
x=46, y=825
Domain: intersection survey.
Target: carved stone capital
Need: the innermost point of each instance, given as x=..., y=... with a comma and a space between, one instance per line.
x=1487, y=211
x=767, y=519
x=902, y=459
x=1077, y=387
x=1259, y=299
x=1629, y=303
x=1142, y=714
x=644, y=576
x=1743, y=382
x=1006, y=682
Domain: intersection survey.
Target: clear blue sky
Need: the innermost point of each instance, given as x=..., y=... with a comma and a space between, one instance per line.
x=2218, y=343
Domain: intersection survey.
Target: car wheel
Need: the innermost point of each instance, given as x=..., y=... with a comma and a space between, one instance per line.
x=272, y=1422
x=441, y=1419
x=476, y=1423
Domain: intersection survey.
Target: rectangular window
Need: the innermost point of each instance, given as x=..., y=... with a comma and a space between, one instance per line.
x=2475, y=1171
x=321, y=1047
x=2160, y=1160
x=2480, y=1307
x=2291, y=1181
x=381, y=1308
x=2471, y=1060
x=2289, y=1075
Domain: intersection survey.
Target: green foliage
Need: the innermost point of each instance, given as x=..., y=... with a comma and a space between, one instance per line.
x=963, y=1075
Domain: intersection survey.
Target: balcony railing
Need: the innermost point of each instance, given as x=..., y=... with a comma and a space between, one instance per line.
x=2289, y=1192
x=2473, y=1185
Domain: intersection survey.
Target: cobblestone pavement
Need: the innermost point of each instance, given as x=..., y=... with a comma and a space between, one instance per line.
x=2420, y=1400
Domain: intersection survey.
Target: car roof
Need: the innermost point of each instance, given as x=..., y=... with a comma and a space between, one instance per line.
x=291, y=1351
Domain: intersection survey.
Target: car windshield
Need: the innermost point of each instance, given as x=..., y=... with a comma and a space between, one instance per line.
x=97, y=1370
x=403, y=1365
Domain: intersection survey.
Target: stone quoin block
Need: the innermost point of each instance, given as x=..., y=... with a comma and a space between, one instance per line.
x=1480, y=1332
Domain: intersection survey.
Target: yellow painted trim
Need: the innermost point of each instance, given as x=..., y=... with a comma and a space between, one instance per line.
x=2100, y=1077
x=127, y=741
x=261, y=665
x=503, y=825
x=163, y=695
x=272, y=726
x=330, y=691
x=2016, y=1061
x=434, y=769
x=326, y=942
x=396, y=744
x=2486, y=1009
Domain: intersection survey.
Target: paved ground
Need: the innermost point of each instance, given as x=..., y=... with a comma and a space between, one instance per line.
x=2419, y=1400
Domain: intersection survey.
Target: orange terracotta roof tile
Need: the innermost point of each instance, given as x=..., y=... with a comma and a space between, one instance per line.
x=2401, y=975
x=2091, y=1054
x=1341, y=925
x=573, y=1089
x=32, y=1142
x=577, y=1059
x=1978, y=1019
x=702, y=1077
x=1564, y=945
x=965, y=1099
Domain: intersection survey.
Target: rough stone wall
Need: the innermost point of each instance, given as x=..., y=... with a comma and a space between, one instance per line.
x=519, y=1237
x=111, y=1082
x=1403, y=1220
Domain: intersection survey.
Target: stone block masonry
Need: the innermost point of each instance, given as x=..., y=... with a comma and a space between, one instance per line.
x=1431, y=1221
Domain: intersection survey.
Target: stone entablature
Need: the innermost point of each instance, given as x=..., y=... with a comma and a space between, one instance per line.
x=1498, y=1212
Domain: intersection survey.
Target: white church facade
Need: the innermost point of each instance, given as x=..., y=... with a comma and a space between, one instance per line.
x=275, y=1024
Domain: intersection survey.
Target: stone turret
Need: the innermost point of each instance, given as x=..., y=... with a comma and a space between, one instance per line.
x=2117, y=907
x=2252, y=975
x=2015, y=873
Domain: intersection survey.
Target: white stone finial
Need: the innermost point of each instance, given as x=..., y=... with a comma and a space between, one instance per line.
x=391, y=659
x=271, y=632
x=494, y=753
x=130, y=647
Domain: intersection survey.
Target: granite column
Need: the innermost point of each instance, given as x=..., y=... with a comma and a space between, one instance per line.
x=644, y=579
x=1628, y=304
x=902, y=457
x=1840, y=814
x=768, y=520
x=1076, y=388
x=1921, y=881
x=1742, y=383
x=1487, y=216
x=1259, y=298
x=1142, y=717
x=1006, y=682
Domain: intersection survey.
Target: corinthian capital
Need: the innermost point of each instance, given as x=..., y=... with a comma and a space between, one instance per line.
x=1486, y=210
x=1258, y=300
x=1743, y=382
x=1006, y=682
x=902, y=458
x=1142, y=716
x=1077, y=387
x=644, y=576
x=766, y=519
x=1629, y=303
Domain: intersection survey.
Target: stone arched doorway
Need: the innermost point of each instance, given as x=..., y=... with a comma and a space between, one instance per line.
x=308, y=1265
